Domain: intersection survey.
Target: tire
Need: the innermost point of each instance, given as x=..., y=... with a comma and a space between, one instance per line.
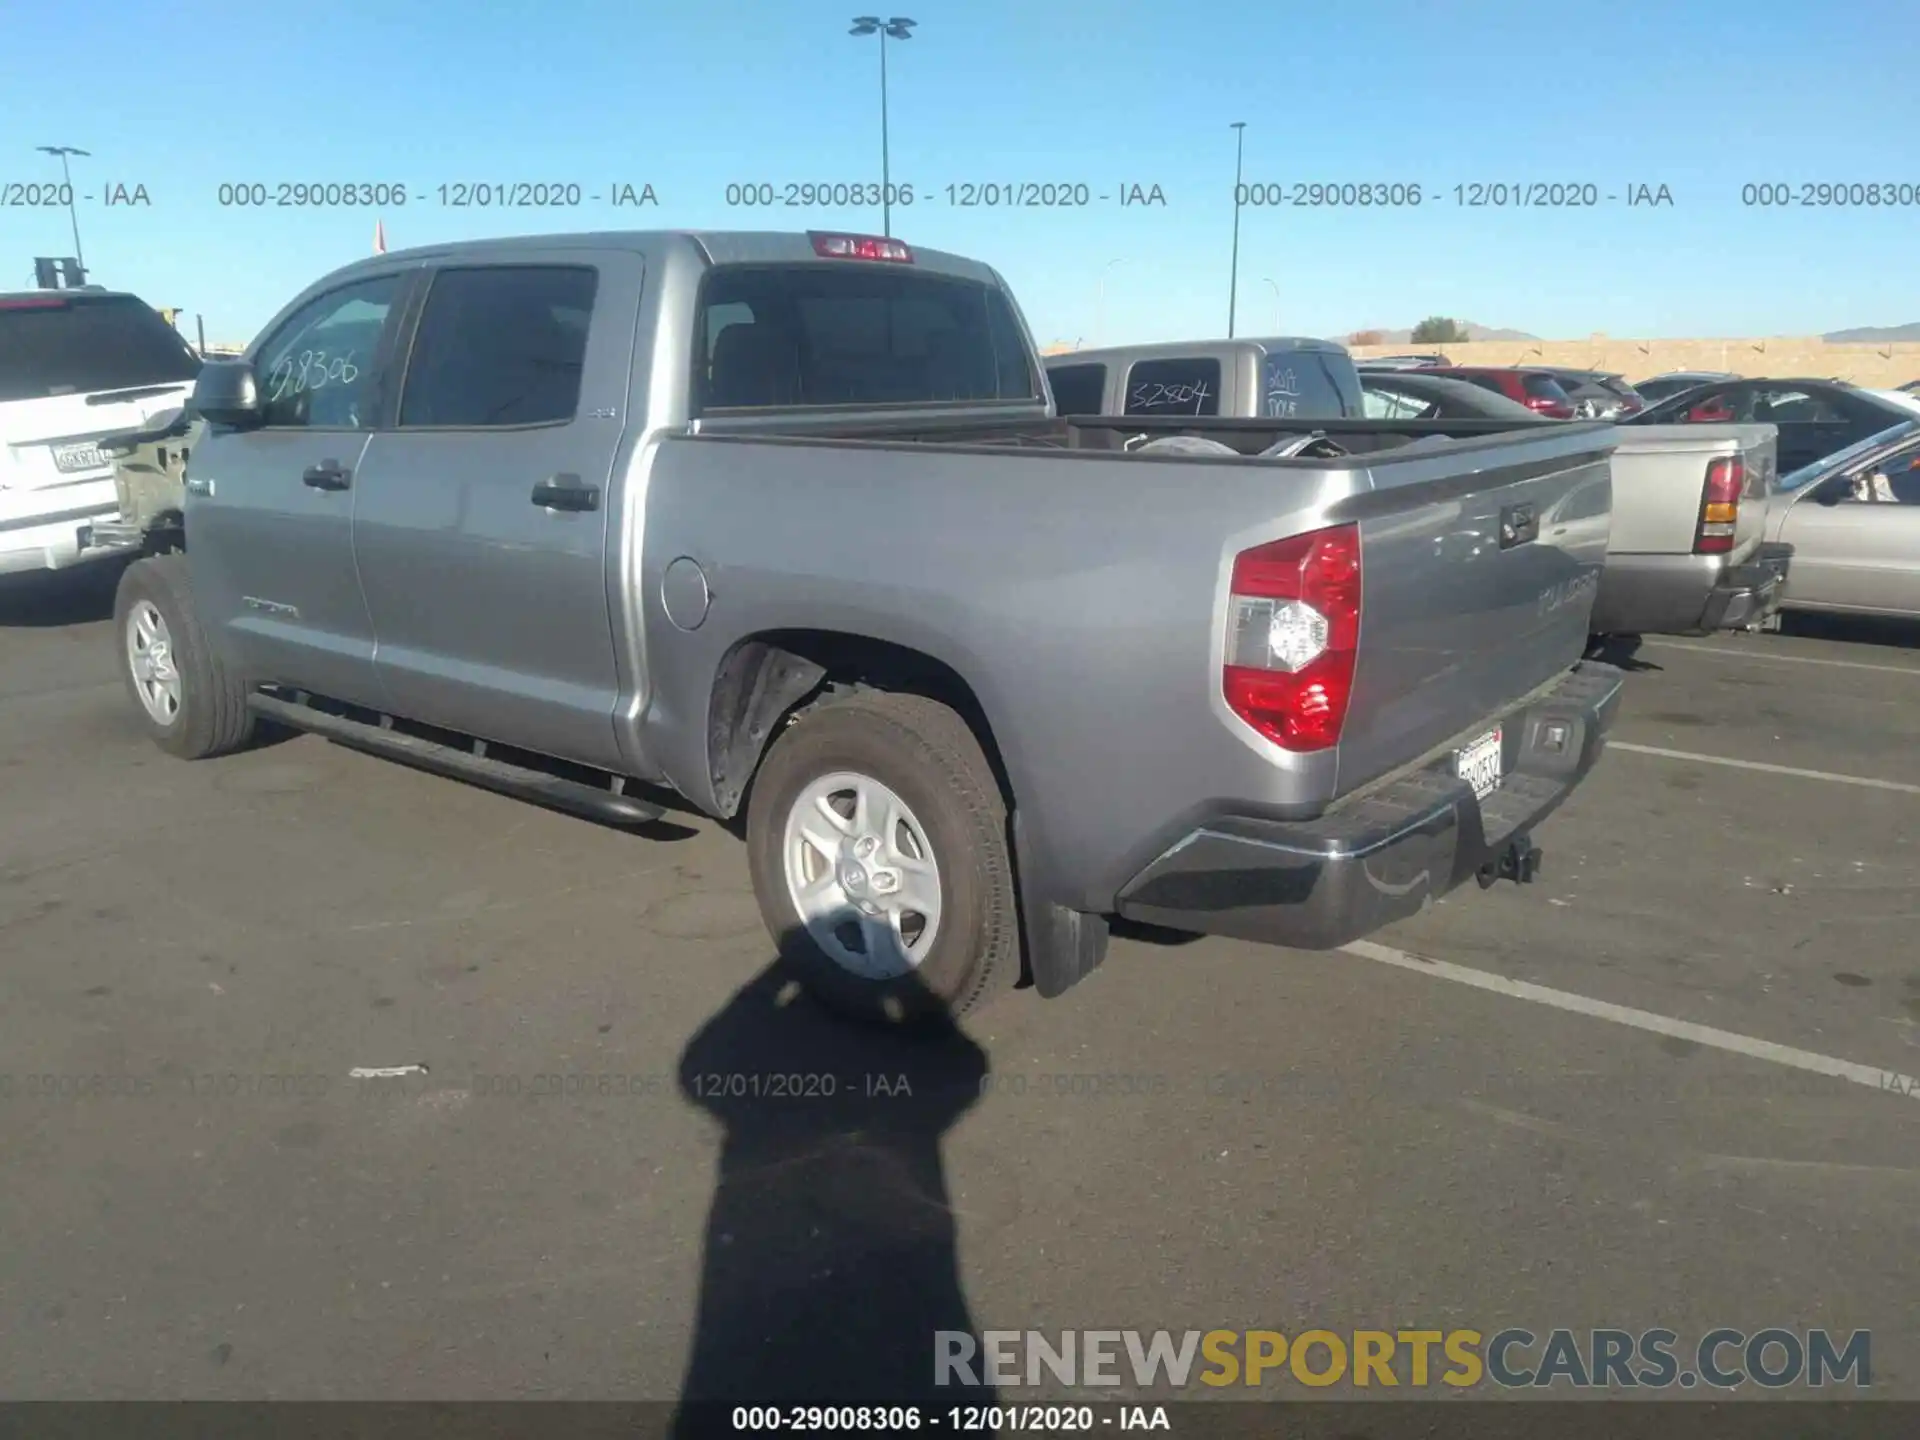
x=209, y=715
x=923, y=753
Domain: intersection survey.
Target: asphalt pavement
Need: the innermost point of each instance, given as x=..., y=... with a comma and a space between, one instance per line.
x=593, y=1150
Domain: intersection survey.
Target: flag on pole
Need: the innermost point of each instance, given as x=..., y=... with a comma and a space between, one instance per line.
x=379, y=237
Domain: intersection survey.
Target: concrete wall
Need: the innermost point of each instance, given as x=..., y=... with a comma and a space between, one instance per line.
x=1880, y=366
x=1875, y=366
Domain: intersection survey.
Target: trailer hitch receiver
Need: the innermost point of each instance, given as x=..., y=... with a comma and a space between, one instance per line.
x=1519, y=861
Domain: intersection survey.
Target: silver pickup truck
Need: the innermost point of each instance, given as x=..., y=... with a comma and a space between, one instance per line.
x=785, y=525
x=1689, y=553
x=1689, y=501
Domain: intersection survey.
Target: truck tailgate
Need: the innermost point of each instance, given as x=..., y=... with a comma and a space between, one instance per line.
x=1476, y=591
x=1660, y=471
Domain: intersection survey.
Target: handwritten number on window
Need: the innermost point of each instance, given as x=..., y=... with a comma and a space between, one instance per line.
x=1161, y=397
x=310, y=370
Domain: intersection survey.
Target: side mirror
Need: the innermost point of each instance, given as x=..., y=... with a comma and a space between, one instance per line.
x=227, y=394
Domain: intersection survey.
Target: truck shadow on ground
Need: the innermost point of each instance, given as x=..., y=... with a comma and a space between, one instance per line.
x=830, y=1262
x=51, y=599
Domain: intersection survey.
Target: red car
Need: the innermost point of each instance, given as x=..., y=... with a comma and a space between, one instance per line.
x=1535, y=389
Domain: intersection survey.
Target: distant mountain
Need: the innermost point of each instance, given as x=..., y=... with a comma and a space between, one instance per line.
x=1474, y=332
x=1865, y=334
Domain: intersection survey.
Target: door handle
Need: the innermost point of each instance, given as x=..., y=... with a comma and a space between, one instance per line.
x=1518, y=525
x=327, y=475
x=566, y=492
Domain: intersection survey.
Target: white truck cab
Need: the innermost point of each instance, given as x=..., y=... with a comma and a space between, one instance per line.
x=75, y=367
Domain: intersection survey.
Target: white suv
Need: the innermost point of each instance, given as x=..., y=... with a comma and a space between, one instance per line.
x=75, y=367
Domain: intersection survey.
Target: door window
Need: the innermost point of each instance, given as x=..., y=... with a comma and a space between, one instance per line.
x=500, y=345
x=1715, y=408
x=1785, y=406
x=1894, y=481
x=317, y=370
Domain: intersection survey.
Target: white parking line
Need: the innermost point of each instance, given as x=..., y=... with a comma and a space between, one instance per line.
x=1901, y=786
x=1728, y=652
x=1890, y=1081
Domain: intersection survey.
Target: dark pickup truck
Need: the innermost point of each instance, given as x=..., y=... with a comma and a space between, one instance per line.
x=785, y=524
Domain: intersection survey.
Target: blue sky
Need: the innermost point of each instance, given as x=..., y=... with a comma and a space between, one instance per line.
x=1698, y=95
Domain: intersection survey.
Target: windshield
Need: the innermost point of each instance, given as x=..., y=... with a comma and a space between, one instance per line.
x=82, y=344
x=1840, y=459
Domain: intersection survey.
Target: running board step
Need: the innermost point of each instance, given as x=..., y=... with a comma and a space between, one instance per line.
x=516, y=780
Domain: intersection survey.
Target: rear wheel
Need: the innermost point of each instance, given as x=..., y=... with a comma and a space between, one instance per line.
x=187, y=700
x=877, y=838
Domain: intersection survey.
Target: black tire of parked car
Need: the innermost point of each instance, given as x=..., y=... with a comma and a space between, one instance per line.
x=213, y=718
x=926, y=754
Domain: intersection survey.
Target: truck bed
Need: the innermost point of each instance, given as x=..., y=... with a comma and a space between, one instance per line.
x=1106, y=575
x=1655, y=582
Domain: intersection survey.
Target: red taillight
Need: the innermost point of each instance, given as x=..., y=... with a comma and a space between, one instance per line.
x=36, y=303
x=859, y=247
x=1293, y=630
x=1552, y=409
x=1720, y=506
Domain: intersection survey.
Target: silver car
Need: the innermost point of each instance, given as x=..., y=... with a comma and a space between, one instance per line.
x=1853, y=520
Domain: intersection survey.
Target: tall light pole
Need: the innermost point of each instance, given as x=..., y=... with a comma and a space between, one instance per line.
x=1276, y=302
x=63, y=151
x=1100, y=304
x=895, y=28
x=1239, y=128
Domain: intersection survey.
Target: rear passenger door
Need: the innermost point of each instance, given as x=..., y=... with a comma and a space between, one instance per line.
x=482, y=517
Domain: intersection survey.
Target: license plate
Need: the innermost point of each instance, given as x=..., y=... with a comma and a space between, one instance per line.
x=84, y=456
x=1479, y=763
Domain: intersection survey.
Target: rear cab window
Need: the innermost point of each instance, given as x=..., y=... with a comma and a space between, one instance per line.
x=1311, y=385
x=79, y=344
x=1544, y=387
x=1078, y=389
x=1188, y=385
x=779, y=336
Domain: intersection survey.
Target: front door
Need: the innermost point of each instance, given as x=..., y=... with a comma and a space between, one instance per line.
x=482, y=518
x=269, y=511
x=1856, y=540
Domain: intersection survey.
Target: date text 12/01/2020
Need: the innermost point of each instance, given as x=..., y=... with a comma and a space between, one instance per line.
x=456, y=195
x=969, y=194
x=1473, y=195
